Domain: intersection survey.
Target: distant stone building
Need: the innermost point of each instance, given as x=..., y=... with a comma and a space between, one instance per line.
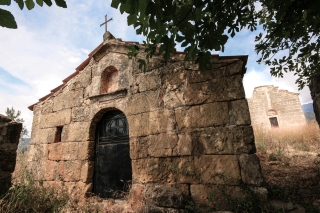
x=171, y=126
x=273, y=107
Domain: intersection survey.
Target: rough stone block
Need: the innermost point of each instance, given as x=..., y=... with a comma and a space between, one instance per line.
x=59, y=118
x=162, y=145
x=250, y=169
x=239, y=112
x=213, y=114
x=139, y=147
x=50, y=169
x=87, y=171
x=147, y=81
x=222, y=169
x=81, y=114
x=78, y=190
x=69, y=151
x=185, y=145
x=86, y=150
x=168, y=197
x=223, y=89
x=41, y=136
x=142, y=102
x=227, y=140
x=77, y=131
x=67, y=99
x=71, y=170
x=54, y=151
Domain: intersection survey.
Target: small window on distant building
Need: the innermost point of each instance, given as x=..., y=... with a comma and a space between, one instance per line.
x=274, y=122
x=109, y=80
x=58, y=134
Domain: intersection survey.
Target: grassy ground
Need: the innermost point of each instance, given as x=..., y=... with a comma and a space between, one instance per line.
x=290, y=161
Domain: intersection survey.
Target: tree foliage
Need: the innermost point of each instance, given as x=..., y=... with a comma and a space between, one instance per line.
x=7, y=19
x=15, y=115
x=290, y=41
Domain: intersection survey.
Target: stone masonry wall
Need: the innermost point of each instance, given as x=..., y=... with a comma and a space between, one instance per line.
x=9, y=139
x=269, y=101
x=315, y=94
x=188, y=129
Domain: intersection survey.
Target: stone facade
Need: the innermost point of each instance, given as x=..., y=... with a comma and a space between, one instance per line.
x=315, y=94
x=270, y=106
x=187, y=129
x=9, y=139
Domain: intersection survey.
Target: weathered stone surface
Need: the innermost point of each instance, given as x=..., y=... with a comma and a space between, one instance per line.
x=215, y=196
x=59, y=118
x=54, y=151
x=139, y=147
x=162, y=145
x=146, y=81
x=223, y=89
x=250, y=169
x=142, y=102
x=227, y=140
x=69, y=151
x=168, y=197
x=86, y=150
x=151, y=123
x=77, y=131
x=222, y=169
x=41, y=136
x=206, y=115
x=239, y=113
x=87, y=171
x=81, y=114
x=67, y=99
x=71, y=170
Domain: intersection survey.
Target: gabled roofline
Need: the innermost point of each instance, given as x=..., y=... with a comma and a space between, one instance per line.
x=244, y=58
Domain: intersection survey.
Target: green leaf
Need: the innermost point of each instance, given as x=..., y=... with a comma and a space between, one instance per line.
x=142, y=64
x=29, y=4
x=115, y=3
x=5, y=2
x=7, y=19
x=20, y=3
x=61, y=3
x=40, y=2
x=48, y=2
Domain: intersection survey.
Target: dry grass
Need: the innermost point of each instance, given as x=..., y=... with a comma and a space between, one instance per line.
x=279, y=142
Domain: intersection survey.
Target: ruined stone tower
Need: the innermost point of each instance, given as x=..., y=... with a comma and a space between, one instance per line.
x=271, y=107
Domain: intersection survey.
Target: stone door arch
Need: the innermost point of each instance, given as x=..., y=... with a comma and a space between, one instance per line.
x=112, y=156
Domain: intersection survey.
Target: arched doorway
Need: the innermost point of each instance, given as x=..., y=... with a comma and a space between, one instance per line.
x=112, y=158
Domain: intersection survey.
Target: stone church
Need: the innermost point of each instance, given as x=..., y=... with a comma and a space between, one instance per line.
x=110, y=123
x=274, y=107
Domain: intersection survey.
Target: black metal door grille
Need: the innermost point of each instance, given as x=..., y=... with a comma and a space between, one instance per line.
x=112, y=162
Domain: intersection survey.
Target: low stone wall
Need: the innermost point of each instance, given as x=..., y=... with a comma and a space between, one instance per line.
x=315, y=94
x=9, y=139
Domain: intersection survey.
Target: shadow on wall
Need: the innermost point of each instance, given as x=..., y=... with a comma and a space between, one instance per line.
x=9, y=140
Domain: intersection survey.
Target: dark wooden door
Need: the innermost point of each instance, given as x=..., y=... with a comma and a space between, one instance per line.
x=112, y=160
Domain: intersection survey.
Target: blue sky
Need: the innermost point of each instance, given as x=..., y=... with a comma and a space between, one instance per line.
x=51, y=42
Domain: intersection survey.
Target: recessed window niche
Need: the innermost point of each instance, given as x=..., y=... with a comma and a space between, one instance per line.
x=109, y=80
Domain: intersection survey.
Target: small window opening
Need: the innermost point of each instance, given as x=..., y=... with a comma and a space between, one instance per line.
x=109, y=80
x=58, y=134
x=274, y=122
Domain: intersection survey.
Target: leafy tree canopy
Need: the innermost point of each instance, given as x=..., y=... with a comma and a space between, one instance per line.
x=290, y=41
x=15, y=115
x=7, y=19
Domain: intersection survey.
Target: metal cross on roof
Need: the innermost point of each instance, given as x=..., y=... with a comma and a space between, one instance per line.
x=106, y=21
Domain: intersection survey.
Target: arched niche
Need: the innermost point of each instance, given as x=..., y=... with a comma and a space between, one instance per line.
x=109, y=80
x=272, y=112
